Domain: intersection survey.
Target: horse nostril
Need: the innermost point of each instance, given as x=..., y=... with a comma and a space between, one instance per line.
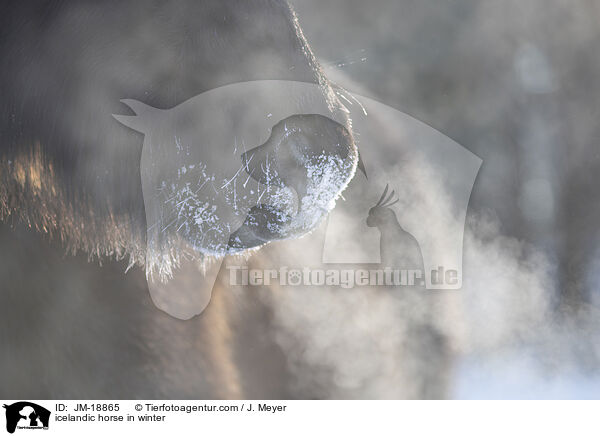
x=296, y=144
x=311, y=154
x=261, y=164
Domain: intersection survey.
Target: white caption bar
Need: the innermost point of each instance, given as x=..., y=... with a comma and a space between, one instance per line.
x=300, y=417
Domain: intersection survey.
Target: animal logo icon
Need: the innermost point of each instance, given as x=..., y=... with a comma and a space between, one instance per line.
x=231, y=170
x=25, y=414
x=398, y=248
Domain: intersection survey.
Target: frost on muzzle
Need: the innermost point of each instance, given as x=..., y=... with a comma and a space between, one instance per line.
x=237, y=167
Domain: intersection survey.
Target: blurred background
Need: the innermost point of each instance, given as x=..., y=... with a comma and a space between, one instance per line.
x=515, y=82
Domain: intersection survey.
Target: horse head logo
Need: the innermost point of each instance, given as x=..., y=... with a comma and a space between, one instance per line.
x=237, y=167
